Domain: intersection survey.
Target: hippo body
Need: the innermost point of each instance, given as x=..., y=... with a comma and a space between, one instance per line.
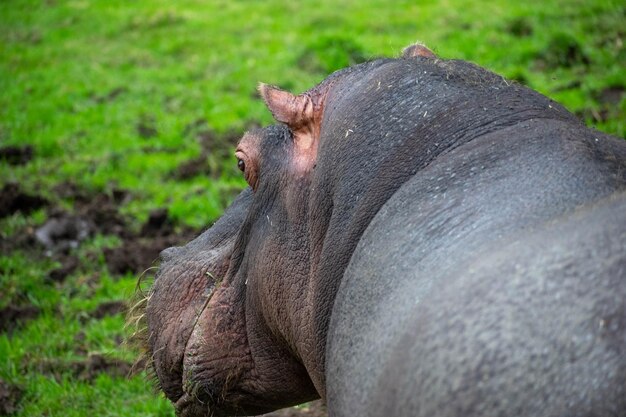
x=422, y=238
x=454, y=307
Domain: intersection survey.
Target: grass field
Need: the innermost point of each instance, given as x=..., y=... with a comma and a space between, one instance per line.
x=117, y=126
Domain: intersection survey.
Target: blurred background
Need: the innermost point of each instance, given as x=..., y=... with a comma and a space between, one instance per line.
x=118, y=121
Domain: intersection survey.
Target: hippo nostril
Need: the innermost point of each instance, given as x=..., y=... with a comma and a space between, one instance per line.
x=168, y=254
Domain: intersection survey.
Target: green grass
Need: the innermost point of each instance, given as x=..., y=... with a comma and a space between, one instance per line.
x=80, y=79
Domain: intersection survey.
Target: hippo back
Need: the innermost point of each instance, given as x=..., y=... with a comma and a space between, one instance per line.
x=491, y=283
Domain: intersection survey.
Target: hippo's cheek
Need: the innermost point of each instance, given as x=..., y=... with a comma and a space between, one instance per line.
x=217, y=358
x=179, y=295
x=170, y=324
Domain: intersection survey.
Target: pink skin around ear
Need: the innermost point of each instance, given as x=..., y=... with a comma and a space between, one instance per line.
x=303, y=115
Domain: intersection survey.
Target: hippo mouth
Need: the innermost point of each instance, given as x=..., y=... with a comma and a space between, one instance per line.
x=198, y=346
x=199, y=342
x=181, y=293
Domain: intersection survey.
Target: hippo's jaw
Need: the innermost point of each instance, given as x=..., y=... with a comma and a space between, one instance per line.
x=217, y=362
x=171, y=322
x=183, y=287
x=199, y=341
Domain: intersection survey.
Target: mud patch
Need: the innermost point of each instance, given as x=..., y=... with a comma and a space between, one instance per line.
x=16, y=155
x=611, y=95
x=87, y=369
x=134, y=257
x=608, y=105
x=192, y=168
x=312, y=409
x=108, y=308
x=10, y=396
x=63, y=232
x=593, y=115
x=520, y=27
x=102, y=211
x=11, y=317
x=158, y=224
x=140, y=252
x=110, y=96
x=69, y=265
x=562, y=51
x=70, y=190
x=93, y=214
x=137, y=255
x=146, y=128
x=327, y=54
x=23, y=240
x=12, y=200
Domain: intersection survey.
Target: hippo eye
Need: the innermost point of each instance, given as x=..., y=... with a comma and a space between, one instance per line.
x=241, y=165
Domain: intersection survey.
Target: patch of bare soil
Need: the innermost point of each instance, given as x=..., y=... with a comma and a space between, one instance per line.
x=312, y=409
x=87, y=369
x=63, y=231
x=96, y=213
x=608, y=99
x=69, y=265
x=108, y=308
x=102, y=211
x=10, y=396
x=25, y=239
x=110, y=96
x=13, y=316
x=93, y=213
x=191, y=168
x=611, y=95
x=562, y=50
x=146, y=128
x=12, y=200
x=141, y=251
x=16, y=155
x=520, y=27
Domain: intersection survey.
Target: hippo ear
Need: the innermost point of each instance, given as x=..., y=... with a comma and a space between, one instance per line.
x=301, y=113
x=417, y=49
x=294, y=111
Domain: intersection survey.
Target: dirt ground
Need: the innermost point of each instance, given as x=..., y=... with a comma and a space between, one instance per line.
x=56, y=238
x=92, y=214
x=10, y=396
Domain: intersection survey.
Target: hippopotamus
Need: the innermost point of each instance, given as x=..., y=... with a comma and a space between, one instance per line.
x=420, y=237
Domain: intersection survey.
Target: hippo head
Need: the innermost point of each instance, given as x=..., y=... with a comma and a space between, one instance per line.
x=219, y=337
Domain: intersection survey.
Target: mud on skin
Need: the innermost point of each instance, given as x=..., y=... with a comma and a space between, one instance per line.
x=419, y=209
